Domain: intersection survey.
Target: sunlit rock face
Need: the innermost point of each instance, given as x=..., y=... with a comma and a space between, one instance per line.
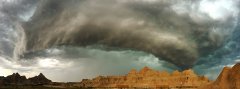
x=148, y=78
x=229, y=78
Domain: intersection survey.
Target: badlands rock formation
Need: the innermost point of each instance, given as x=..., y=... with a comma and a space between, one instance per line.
x=16, y=79
x=40, y=79
x=148, y=78
x=229, y=78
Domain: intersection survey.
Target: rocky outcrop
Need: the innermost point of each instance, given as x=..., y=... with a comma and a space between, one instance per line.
x=1, y=80
x=17, y=79
x=14, y=79
x=229, y=78
x=148, y=78
x=40, y=79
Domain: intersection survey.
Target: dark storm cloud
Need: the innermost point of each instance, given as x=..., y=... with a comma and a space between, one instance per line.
x=11, y=13
x=83, y=39
x=152, y=27
x=17, y=7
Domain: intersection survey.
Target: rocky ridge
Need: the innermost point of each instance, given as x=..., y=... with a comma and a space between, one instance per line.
x=17, y=79
x=229, y=78
x=148, y=78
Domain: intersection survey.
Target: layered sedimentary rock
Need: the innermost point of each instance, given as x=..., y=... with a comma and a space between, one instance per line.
x=229, y=78
x=16, y=79
x=148, y=78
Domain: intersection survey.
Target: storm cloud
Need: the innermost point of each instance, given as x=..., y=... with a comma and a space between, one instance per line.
x=86, y=38
x=152, y=27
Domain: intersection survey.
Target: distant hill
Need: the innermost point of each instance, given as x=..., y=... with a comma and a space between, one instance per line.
x=17, y=80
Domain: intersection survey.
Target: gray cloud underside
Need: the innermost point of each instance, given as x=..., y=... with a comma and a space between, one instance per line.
x=90, y=62
x=150, y=27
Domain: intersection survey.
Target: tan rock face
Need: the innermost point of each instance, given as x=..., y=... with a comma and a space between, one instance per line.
x=229, y=78
x=148, y=78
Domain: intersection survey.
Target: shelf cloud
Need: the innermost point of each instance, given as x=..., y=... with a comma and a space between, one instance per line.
x=76, y=35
